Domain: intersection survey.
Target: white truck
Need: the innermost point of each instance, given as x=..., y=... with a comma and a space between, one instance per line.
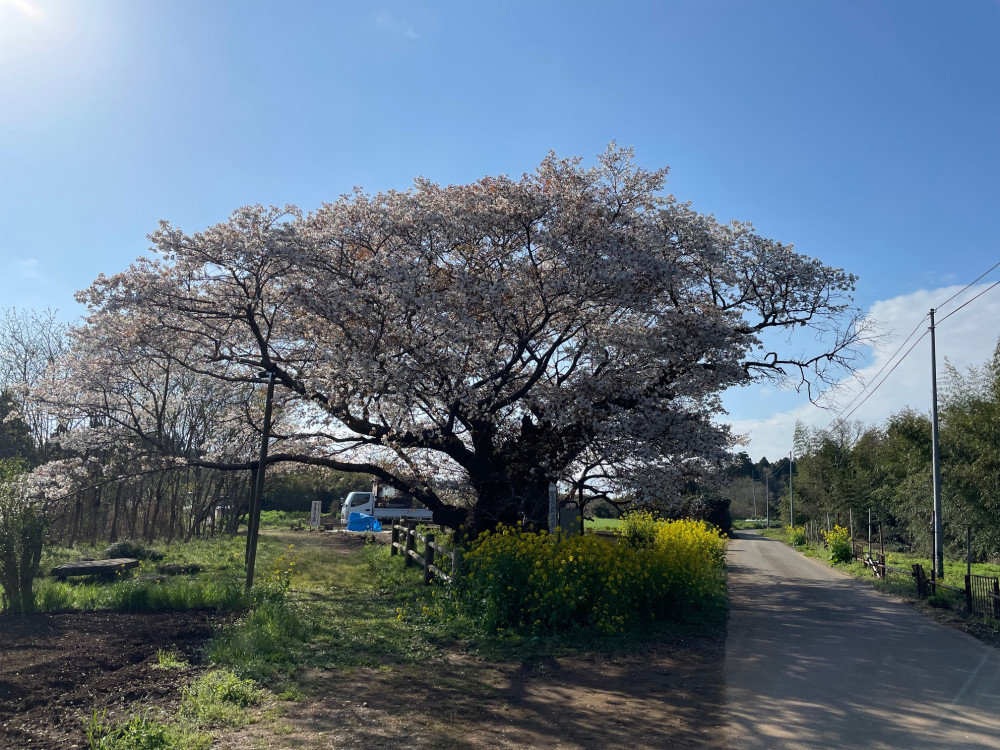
x=385, y=503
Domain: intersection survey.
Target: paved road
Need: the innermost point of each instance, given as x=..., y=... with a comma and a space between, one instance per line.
x=815, y=659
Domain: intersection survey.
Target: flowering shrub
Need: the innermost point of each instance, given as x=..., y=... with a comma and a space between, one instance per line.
x=538, y=582
x=840, y=545
x=796, y=535
x=638, y=529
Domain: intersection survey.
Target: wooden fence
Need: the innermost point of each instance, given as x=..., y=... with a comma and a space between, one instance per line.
x=874, y=561
x=404, y=539
x=982, y=593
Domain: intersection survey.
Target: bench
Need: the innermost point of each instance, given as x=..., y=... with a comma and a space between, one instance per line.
x=107, y=568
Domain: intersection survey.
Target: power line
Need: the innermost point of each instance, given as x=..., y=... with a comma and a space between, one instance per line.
x=841, y=416
x=877, y=374
x=872, y=392
x=971, y=299
x=963, y=291
x=844, y=414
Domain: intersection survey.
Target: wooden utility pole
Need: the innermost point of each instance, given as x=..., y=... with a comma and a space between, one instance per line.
x=253, y=522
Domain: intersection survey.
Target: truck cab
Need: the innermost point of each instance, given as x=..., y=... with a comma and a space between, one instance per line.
x=357, y=502
x=384, y=503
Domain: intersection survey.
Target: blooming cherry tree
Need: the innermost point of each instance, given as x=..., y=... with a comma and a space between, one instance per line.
x=495, y=336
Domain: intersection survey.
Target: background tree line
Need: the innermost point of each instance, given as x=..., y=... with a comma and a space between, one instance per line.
x=849, y=468
x=750, y=488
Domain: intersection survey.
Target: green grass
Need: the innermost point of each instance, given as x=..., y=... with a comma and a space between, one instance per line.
x=371, y=610
x=266, y=642
x=341, y=610
x=263, y=645
x=170, y=659
x=220, y=585
x=954, y=570
x=131, y=595
x=144, y=730
x=602, y=524
x=221, y=698
x=282, y=519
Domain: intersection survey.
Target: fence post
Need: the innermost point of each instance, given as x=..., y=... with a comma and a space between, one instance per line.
x=918, y=573
x=996, y=598
x=407, y=559
x=968, y=549
x=968, y=592
x=456, y=564
x=428, y=557
x=395, y=539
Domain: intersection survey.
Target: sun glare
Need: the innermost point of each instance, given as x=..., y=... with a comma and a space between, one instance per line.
x=25, y=8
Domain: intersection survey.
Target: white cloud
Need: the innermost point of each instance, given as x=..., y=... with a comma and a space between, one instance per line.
x=28, y=269
x=17, y=275
x=387, y=20
x=965, y=338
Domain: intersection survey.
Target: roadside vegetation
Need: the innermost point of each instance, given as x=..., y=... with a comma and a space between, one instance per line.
x=954, y=570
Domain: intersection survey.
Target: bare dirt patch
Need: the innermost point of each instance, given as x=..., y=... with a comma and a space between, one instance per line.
x=56, y=669
x=672, y=695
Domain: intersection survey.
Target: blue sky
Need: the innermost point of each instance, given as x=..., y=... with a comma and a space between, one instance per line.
x=865, y=132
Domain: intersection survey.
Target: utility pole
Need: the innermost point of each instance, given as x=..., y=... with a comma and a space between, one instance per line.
x=253, y=522
x=791, y=497
x=753, y=489
x=767, y=500
x=938, y=550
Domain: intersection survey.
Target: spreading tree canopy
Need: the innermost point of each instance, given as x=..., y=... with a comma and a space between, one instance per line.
x=576, y=324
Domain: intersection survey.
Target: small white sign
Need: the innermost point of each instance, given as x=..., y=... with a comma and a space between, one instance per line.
x=317, y=508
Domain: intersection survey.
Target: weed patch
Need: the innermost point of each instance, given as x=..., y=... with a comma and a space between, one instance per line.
x=221, y=698
x=142, y=731
x=266, y=642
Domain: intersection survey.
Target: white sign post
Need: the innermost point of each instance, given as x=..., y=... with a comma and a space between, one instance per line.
x=553, y=508
x=317, y=508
